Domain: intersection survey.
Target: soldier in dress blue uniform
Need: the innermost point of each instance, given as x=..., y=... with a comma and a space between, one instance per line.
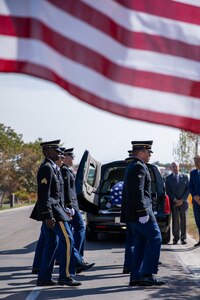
x=140, y=217
x=130, y=242
x=50, y=210
x=70, y=199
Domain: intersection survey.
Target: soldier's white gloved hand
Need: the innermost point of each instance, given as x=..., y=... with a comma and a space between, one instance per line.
x=72, y=212
x=67, y=210
x=144, y=219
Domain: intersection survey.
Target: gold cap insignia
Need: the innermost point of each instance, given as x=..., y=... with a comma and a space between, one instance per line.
x=44, y=180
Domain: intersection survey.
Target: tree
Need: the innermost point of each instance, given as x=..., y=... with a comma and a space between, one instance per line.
x=28, y=164
x=10, y=145
x=187, y=148
x=18, y=163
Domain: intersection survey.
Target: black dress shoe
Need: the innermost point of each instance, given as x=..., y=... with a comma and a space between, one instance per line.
x=126, y=271
x=46, y=282
x=151, y=280
x=134, y=282
x=175, y=242
x=183, y=242
x=68, y=281
x=35, y=270
x=197, y=244
x=88, y=264
x=84, y=267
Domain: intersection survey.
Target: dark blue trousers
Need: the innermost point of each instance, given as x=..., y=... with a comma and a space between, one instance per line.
x=196, y=210
x=55, y=239
x=50, y=245
x=78, y=228
x=52, y=241
x=75, y=257
x=130, y=242
x=67, y=255
x=65, y=246
x=37, y=261
x=147, y=247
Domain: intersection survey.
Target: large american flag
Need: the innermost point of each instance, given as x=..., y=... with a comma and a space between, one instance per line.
x=136, y=58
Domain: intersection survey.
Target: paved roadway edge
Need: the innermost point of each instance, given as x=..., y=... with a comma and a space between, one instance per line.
x=191, y=263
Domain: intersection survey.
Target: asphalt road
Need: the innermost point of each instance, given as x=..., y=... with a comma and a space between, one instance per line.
x=18, y=236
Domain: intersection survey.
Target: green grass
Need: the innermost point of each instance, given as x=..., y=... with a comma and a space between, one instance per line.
x=7, y=205
x=191, y=225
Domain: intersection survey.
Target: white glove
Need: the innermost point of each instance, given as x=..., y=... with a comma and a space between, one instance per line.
x=144, y=219
x=72, y=211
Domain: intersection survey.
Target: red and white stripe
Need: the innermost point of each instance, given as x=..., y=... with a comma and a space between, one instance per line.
x=138, y=59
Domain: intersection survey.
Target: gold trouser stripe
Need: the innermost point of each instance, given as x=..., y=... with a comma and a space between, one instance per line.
x=68, y=254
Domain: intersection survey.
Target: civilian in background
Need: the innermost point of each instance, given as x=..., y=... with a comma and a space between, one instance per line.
x=194, y=187
x=178, y=190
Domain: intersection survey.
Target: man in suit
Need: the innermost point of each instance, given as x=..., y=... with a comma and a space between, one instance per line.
x=178, y=190
x=140, y=218
x=194, y=187
x=50, y=210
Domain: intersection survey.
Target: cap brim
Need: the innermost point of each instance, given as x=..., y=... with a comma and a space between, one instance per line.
x=59, y=150
x=70, y=154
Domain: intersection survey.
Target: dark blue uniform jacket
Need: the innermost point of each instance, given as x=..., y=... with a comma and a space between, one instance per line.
x=50, y=202
x=70, y=197
x=137, y=200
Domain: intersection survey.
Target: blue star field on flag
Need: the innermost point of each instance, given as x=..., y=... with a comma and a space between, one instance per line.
x=116, y=193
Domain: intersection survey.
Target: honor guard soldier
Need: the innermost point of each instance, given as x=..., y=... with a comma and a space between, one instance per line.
x=50, y=210
x=129, y=232
x=140, y=218
x=70, y=199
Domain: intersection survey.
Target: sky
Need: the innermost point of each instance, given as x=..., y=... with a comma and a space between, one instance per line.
x=37, y=108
